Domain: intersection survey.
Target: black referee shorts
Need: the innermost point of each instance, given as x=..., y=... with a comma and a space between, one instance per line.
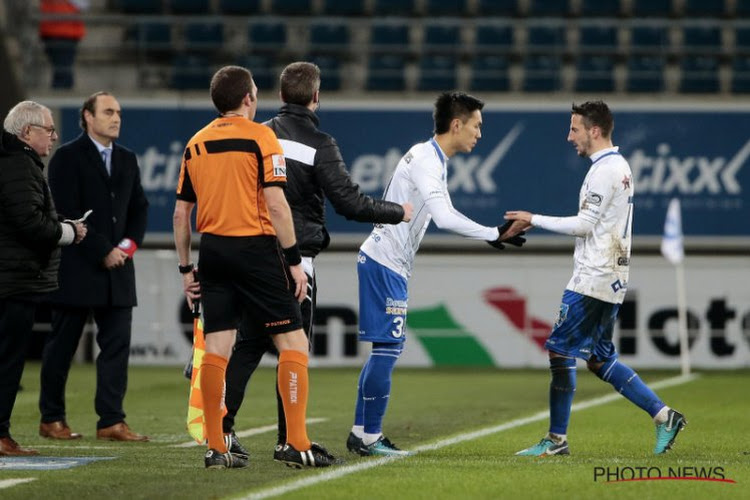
x=246, y=274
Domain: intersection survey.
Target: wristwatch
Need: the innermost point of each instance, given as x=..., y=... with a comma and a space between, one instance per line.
x=185, y=269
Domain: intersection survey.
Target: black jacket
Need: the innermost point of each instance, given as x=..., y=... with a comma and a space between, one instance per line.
x=29, y=225
x=315, y=170
x=79, y=182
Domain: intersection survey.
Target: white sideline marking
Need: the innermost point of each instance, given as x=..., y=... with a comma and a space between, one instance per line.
x=9, y=483
x=68, y=447
x=371, y=463
x=252, y=432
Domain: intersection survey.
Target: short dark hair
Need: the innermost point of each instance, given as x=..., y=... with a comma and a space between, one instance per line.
x=229, y=86
x=451, y=105
x=595, y=114
x=90, y=105
x=299, y=82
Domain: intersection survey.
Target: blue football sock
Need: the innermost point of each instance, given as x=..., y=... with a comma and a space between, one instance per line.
x=376, y=384
x=562, y=388
x=359, y=407
x=629, y=384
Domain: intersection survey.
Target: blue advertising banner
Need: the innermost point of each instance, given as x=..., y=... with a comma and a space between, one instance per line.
x=522, y=162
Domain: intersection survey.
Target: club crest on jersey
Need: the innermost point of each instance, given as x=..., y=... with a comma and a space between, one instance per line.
x=279, y=165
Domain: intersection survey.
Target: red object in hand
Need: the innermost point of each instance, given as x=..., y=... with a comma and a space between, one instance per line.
x=128, y=246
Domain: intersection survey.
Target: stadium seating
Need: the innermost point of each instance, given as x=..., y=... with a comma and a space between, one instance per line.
x=741, y=75
x=701, y=39
x=386, y=72
x=204, y=36
x=490, y=73
x=389, y=37
x=394, y=7
x=494, y=38
x=742, y=40
x=652, y=8
x=329, y=38
x=147, y=36
x=546, y=38
x=704, y=8
x=291, y=7
x=191, y=72
x=598, y=38
x=344, y=7
x=486, y=8
x=189, y=6
x=330, y=70
x=262, y=67
x=645, y=74
x=742, y=8
x=441, y=38
x=437, y=72
x=239, y=7
x=595, y=74
x=549, y=8
x=649, y=39
x=453, y=8
x=266, y=36
x=141, y=6
x=603, y=8
x=700, y=74
x=542, y=73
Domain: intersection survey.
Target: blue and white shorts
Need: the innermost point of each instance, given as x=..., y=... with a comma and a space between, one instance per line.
x=584, y=328
x=382, y=302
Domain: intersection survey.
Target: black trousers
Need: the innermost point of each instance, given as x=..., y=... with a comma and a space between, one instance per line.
x=16, y=323
x=252, y=343
x=113, y=337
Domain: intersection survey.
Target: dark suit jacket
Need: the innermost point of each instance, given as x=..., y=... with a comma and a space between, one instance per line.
x=79, y=182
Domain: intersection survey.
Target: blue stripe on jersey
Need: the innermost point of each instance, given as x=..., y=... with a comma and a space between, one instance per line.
x=605, y=155
x=437, y=149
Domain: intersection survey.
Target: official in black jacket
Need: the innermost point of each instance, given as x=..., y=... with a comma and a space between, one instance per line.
x=94, y=173
x=30, y=232
x=315, y=171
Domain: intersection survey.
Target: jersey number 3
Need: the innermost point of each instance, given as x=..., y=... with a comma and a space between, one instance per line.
x=398, y=331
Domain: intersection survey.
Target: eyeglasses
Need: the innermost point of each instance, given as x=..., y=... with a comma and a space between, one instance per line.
x=50, y=130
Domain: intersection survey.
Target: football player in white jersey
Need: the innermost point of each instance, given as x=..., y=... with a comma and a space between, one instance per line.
x=386, y=258
x=593, y=295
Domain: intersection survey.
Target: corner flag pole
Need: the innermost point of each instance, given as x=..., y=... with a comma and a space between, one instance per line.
x=672, y=249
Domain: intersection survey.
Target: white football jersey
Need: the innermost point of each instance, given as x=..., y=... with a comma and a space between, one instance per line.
x=602, y=258
x=420, y=179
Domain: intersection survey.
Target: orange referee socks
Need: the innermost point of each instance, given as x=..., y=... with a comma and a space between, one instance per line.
x=213, y=370
x=293, y=387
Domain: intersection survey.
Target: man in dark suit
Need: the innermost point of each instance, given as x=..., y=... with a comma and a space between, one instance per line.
x=94, y=173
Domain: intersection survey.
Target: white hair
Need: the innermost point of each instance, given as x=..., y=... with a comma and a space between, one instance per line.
x=23, y=114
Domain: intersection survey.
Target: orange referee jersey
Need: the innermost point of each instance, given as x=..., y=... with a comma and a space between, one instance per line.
x=224, y=169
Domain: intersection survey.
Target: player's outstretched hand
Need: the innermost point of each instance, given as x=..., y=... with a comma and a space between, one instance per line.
x=512, y=232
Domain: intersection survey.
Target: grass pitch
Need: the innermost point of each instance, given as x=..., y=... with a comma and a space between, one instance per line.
x=427, y=407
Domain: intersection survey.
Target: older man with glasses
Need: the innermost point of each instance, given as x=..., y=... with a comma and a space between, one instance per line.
x=30, y=233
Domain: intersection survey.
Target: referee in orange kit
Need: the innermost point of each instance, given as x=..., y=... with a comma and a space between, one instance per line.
x=249, y=262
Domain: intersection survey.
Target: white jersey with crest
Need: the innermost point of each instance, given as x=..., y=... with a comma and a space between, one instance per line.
x=602, y=257
x=420, y=179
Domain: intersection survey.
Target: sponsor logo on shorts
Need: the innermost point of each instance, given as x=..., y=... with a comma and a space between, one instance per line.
x=278, y=323
x=562, y=314
x=361, y=258
x=395, y=307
